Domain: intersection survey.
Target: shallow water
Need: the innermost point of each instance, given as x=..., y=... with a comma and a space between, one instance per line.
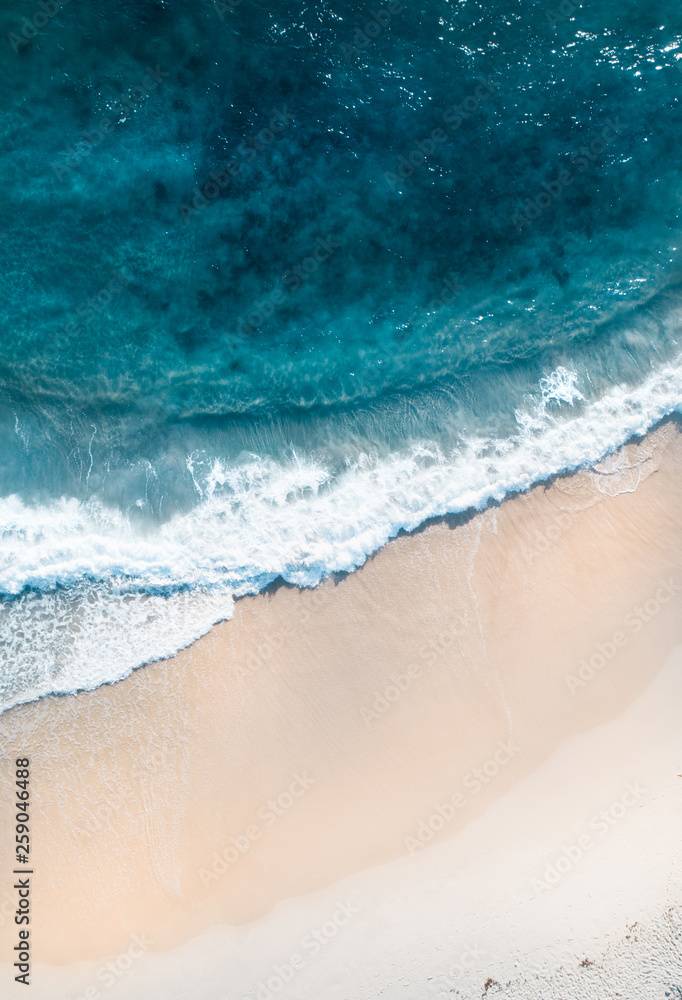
x=424, y=274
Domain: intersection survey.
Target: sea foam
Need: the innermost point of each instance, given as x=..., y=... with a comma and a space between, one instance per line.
x=91, y=595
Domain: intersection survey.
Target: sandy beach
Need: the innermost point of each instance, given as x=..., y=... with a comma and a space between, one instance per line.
x=555, y=889
x=341, y=501
x=451, y=712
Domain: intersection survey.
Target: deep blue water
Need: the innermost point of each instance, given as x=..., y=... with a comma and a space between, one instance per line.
x=277, y=282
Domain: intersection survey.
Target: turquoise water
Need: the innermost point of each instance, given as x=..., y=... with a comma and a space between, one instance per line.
x=278, y=283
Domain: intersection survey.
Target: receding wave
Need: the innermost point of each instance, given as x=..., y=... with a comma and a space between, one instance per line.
x=91, y=594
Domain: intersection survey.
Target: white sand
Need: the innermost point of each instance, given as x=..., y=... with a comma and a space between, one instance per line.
x=444, y=921
x=202, y=817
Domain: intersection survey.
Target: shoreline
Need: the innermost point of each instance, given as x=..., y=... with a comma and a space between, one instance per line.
x=264, y=540
x=321, y=733
x=451, y=520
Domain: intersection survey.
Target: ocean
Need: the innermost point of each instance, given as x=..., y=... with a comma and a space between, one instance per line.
x=280, y=281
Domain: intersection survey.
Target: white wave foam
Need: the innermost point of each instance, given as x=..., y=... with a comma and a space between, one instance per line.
x=63, y=641
x=261, y=519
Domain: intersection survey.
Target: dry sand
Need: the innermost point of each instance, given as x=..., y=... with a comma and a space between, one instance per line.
x=419, y=689
x=566, y=886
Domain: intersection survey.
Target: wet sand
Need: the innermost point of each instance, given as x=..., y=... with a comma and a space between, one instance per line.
x=322, y=733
